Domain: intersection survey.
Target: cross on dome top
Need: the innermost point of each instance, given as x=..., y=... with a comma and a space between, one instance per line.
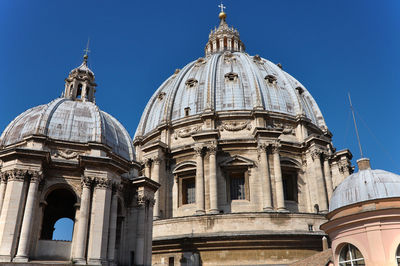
x=224, y=38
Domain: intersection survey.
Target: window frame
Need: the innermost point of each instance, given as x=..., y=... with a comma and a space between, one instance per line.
x=182, y=178
x=234, y=171
x=350, y=249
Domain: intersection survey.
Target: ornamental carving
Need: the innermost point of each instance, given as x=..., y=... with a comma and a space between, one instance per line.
x=198, y=150
x=316, y=154
x=86, y=181
x=103, y=183
x=343, y=167
x=288, y=130
x=36, y=176
x=262, y=147
x=276, y=146
x=199, y=62
x=235, y=126
x=145, y=198
x=16, y=175
x=156, y=160
x=186, y=132
x=212, y=149
x=65, y=154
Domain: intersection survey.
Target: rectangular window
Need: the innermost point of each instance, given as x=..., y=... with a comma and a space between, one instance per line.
x=237, y=186
x=171, y=261
x=289, y=182
x=188, y=190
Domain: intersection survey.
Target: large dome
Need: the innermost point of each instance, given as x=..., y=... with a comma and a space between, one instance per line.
x=68, y=120
x=366, y=184
x=228, y=81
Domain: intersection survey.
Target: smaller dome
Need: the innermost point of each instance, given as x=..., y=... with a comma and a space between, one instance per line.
x=365, y=185
x=68, y=120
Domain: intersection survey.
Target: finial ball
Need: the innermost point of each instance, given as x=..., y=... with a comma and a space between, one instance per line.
x=222, y=15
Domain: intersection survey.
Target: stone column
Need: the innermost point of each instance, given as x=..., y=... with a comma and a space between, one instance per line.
x=213, y=179
x=3, y=186
x=10, y=212
x=328, y=176
x=81, y=237
x=100, y=218
x=140, y=233
x=266, y=179
x=280, y=200
x=24, y=238
x=214, y=45
x=147, y=164
x=113, y=227
x=319, y=178
x=200, y=204
x=235, y=45
x=145, y=202
x=221, y=44
x=229, y=44
x=156, y=177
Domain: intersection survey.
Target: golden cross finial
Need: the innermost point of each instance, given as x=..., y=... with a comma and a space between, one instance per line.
x=222, y=7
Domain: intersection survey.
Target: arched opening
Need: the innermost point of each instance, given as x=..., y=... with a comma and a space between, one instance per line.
x=350, y=256
x=60, y=204
x=63, y=229
x=79, y=92
x=398, y=255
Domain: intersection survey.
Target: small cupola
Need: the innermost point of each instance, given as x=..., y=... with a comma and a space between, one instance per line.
x=80, y=84
x=224, y=38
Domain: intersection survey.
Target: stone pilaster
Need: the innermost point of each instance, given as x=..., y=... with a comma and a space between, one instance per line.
x=100, y=218
x=327, y=175
x=113, y=226
x=11, y=213
x=212, y=150
x=81, y=237
x=25, y=235
x=319, y=178
x=147, y=165
x=265, y=177
x=280, y=200
x=156, y=177
x=145, y=203
x=3, y=185
x=200, y=203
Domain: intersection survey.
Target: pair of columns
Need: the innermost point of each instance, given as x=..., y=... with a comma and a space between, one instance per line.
x=102, y=235
x=323, y=178
x=266, y=177
x=11, y=201
x=200, y=201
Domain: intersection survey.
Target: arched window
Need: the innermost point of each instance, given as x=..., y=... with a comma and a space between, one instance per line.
x=79, y=91
x=350, y=256
x=60, y=204
x=185, y=173
x=398, y=255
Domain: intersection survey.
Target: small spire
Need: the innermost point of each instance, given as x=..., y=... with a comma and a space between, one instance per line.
x=222, y=14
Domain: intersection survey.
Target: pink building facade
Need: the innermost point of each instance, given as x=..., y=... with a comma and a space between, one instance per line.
x=364, y=218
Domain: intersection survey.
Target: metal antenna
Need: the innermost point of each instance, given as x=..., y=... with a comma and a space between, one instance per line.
x=355, y=126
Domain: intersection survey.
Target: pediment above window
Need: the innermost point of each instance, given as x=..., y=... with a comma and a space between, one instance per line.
x=237, y=160
x=184, y=167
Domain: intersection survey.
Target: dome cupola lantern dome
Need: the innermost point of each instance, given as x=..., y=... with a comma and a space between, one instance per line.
x=224, y=38
x=80, y=84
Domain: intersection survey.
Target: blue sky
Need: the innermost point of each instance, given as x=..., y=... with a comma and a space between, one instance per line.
x=331, y=47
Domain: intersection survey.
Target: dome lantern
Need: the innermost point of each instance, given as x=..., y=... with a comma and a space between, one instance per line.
x=224, y=38
x=80, y=84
